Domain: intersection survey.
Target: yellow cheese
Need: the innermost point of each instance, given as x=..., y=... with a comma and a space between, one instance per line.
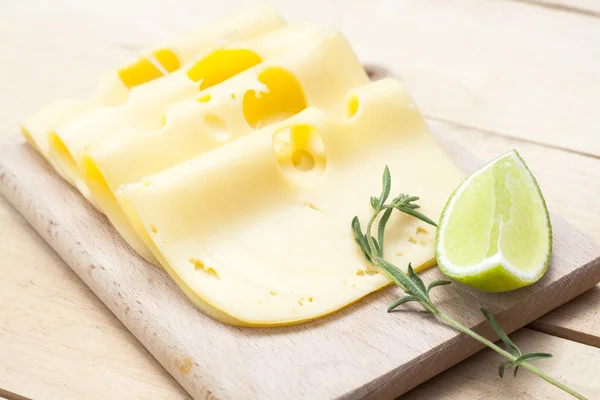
x=257, y=232
x=114, y=88
x=147, y=103
x=317, y=72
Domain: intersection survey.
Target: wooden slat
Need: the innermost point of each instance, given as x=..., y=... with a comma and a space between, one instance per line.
x=505, y=66
x=50, y=348
x=578, y=320
x=585, y=7
x=508, y=67
x=570, y=183
x=57, y=340
x=574, y=364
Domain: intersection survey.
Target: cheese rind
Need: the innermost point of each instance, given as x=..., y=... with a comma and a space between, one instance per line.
x=261, y=233
x=286, y=84
x=115, y=87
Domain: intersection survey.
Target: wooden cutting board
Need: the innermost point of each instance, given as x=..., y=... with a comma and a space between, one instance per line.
x=361, y=352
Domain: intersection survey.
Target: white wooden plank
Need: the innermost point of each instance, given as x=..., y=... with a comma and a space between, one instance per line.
x=574, y=364
x=57, y=340
x=510, y=67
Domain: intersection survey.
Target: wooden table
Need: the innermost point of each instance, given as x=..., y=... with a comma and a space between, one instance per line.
x=491, y=75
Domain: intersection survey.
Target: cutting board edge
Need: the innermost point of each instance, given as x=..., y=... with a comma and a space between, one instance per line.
x=443, y=357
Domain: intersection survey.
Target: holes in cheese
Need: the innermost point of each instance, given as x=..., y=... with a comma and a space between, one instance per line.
x=367, y=272
x=303, y=160
x=149, y=68
x=281, y=97
x=148, y=102
x=312, y=206
x=217, y=127
x=352, y=106
x=115, y=87
x=272, y=241
x=222, y=64
x=285, y=84
x=200, y=266
x=184, y=135
x=205, y=98
x=301, y=154
x=423, y=236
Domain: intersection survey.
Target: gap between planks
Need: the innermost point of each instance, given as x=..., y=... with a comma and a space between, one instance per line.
x=577, y=320
x=560, y=6
x=509, y=136
x=574, y=364
x=565, y=333
x=5, y=394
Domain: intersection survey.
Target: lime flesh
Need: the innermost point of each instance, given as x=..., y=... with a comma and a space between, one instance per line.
x=495, y=233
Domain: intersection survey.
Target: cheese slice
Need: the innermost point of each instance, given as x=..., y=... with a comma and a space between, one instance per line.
x=147, y=103
x=115, y=87
x=317, y=72
x=257, y=232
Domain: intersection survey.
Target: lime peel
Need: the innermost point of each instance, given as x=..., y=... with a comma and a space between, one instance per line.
x=503, y=188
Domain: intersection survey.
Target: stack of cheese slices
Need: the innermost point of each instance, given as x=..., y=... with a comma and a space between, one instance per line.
x=236, y=156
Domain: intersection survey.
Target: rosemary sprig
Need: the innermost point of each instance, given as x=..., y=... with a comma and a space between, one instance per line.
x=416, y=290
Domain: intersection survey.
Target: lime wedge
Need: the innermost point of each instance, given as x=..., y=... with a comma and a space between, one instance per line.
x=495, y=233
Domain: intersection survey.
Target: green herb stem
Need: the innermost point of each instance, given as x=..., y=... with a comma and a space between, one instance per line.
x=460, y=327
x=457, y=325
x=415, y=289
x=369, y=228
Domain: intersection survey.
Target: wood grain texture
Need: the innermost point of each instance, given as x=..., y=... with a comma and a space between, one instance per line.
x=578, y=320
x=574, y=364
x=57, y=340
x=346, y=355
x=59, y=49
